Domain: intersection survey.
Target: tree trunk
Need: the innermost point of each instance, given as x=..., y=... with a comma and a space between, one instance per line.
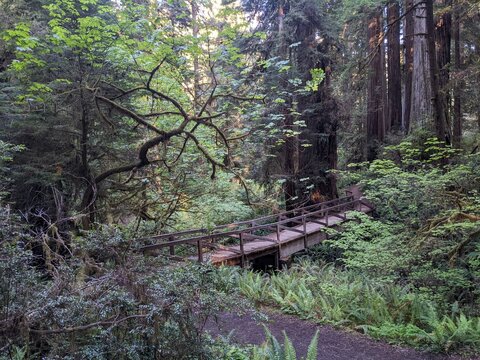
x=290, y=185
x=394, y=74
x=196, y=64
x=290, y=149
x=438, y=108
x=320, y=156
x=319, y=110
x=443, y=38
x=409, y=35
x=457, y=90
x=421, y=110
x=376, y=91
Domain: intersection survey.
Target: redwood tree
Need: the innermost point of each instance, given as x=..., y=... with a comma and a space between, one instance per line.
x=394, y=73
x=438, y=105
x=375, y=90
x=457, y=90
x=408, y=70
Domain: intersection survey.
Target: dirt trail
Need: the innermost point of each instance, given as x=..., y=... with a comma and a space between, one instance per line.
x=333, y=344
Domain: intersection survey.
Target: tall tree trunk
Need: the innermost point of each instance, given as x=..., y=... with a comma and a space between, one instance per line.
x=421, y=110
x=457, y=90
x=438, y=110
x=290, y=168
x=196, y=64
x=443, y=38
x=290, y=156
x=394, y=73
x=376, y=91
x=477, y=54
x=320, y=157
x=409, y=35
x=320, y=113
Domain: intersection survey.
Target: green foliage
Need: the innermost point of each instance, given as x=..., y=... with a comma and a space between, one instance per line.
x=318, y=75
x=6, y=156
x=273, y=350
x=427, y=198
x=379, y=308
x=410, y=275
x=253, y=286
x=75, y=51
x=412, y=184
x=451, y=333
x=379, y=250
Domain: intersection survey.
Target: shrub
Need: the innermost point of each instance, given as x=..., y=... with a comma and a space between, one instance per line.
x=109, y=302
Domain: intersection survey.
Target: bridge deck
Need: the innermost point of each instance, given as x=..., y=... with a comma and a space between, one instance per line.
x=261, y=246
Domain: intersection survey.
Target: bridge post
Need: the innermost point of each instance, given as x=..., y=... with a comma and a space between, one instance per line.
x=171, y=247
x=304, y=222
x=200, y=250
x=277, y=258
x=242, y=259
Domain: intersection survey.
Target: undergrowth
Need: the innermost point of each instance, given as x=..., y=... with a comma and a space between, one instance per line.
x=271, y=349
x=344, y=298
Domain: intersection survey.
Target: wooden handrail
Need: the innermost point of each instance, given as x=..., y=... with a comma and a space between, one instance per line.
x=235, y=225
x=197, y=240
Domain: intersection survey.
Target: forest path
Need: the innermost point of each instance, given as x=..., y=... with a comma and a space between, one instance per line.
x=333, y=344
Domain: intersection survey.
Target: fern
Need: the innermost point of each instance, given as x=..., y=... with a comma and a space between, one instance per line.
x=313, y=348
x=273, y=350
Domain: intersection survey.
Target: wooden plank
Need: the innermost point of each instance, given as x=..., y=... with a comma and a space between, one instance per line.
x=254, y=237
x=220, y=247
x=340, y=215
x=175, y=234
x=318, y=222
x=291, y=229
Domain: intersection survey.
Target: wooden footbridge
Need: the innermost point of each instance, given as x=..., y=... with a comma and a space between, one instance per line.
x=276, y=236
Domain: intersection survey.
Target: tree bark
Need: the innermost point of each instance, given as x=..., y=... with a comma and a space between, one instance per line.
x=394, y=73
x=421, y=110
x=319, y=110
x=409, y=35
x=438, y=106
x=290, y=150
x=443, y=38
x=375, y=90
x=457, y=90
x=196, y=64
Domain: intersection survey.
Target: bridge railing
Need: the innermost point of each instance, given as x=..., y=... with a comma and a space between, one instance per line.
x=250, y=230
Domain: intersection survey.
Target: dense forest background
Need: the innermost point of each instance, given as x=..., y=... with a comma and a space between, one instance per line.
x=121, y=119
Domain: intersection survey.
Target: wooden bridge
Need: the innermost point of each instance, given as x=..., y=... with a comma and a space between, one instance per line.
x=273, y=238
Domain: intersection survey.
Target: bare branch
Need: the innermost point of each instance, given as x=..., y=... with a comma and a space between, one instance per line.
x=129, y=113
x=152, y=73
x=112, y=323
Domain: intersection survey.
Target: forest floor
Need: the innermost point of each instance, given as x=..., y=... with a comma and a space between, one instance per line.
x=333, y=344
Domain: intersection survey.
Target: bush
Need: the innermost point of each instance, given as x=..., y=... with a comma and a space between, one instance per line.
x=110, y=302
x=428, y=204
